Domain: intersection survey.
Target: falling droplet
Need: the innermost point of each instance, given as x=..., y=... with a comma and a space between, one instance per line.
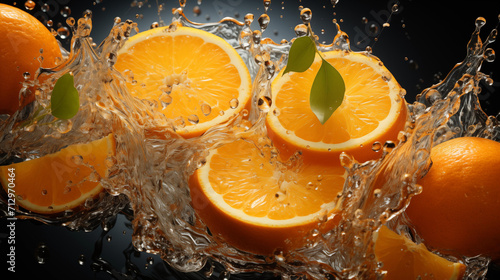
x=267, y=3
x=29, y=5
x=248, y=19
x=42, y=253
x=45, y=8
x=264, y=20
x=109, y=238
x=65, y=11
x=63, y=32
x=70, y=21
x=150, y=260
x=395, y=8
x=81, y=260
x=26, y=75
x=196, y=10
x=182, y=3
x=373, y=28
x=301, y=30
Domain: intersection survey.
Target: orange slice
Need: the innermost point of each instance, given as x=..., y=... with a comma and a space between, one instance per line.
x=196, y=78
x=258, y=207
x=373, y=110
x=59, y=181
x=403, y=259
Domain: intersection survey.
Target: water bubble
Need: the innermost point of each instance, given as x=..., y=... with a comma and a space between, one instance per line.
x=29, y=5
x=42, y=253
x=234, y=103
x=306, y=15
x=65, y=11
x=263, y=21
x=81, y=260
x=194, y=119
x=45, y=7
x=63, y=32
x=206, y=109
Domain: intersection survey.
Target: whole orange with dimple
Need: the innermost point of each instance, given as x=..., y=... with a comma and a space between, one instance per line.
x=458, y=211
x=23, y=39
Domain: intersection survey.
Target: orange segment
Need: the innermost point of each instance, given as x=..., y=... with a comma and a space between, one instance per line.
x=258, y=206
x=403, y=259
x=196, y=78
x=62, y=180
x=373, y=110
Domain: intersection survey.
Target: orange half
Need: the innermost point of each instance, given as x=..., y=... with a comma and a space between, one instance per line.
x=373, y=110
x=195, y=78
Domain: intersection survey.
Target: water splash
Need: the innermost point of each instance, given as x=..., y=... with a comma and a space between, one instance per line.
x=152, y=163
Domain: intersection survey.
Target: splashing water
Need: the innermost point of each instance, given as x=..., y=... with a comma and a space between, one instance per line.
x=152, y=163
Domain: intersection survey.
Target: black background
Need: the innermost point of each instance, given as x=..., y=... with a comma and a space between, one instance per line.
x=432, y=41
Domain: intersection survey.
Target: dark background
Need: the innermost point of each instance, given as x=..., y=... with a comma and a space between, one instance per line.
x=424, y=41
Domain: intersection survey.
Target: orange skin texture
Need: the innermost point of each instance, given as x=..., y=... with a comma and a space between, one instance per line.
x=458, y=211
x=361, y=153
x=21, y=38
x=249, y=237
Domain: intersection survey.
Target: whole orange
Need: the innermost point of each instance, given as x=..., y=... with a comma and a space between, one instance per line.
x=23, y=39
x=458, y=211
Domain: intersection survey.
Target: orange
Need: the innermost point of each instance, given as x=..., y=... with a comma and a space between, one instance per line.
x=196, y=78
x=261, y=206
x=458, y=211
x=373, y=110
x=62, y=180
x=23, y=39
x=402, y=259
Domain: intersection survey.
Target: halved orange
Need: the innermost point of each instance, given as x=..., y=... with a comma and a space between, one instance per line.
x=403, y=259
x=261, y=206
x=62, y=180
x=373, y=110
x=196, y=78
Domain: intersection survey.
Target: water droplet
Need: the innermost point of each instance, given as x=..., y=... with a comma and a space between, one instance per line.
x=117, y=20
x=234, y=103
x=395, y=8
x=109, y=238
x=70, y=21
x=389, y=146
x=480, y=22
x=256, y=36
x=364, y=20
x=150, y=261
x=319, y=178
x=334, y=2
x=377, y=192
x=29, y=5
x=182, y=3
x=193, y=119
x=300, y=30
x=64, y=126
x=386, y=24
x=196, y=10
x=206, y=109
x=42, y=253
x=50, y=23
x=154, y=25
x=45, y=7
x=376, y=146
x=63, y=32
x=44, y=192
x=263, y=21
x=165, y=100
x=65, y=11
x=26, y=75
x=373, y=28
x=306, y=15
x=81, y=260
x=248, y=19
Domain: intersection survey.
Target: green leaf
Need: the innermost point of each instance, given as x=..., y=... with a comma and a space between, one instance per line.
x=327, y=92
x=65, y=101
x=301, y=55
